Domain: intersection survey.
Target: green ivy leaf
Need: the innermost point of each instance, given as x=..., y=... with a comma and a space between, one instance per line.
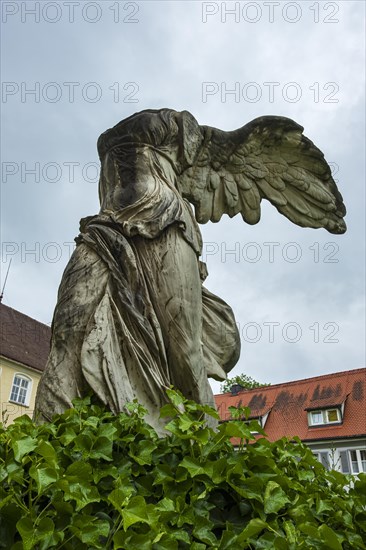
x=75, y=484
x=323, y=505
x=120, y=496
x=186, y=422
x=250, y=488
x=198, y=546
x=137, y=510
x=102, y=448
x=32, y=533
x=206, y=409
x=290, y=531
x=163, y=474
x=202, y=435
x=15, y=473
x=176, y=397
x=67, y=436
x=10, y=514
x=3, y=473
x=142, y=452
x=306, y=475
x=203, y=530
x=132, y=541
x=166, y=542
x=101, y=471
x=217, y=470
x=254, y=527
x=83, y=443
x=90, y=530
x=168, y=410
x=229, y=540
x=239, y=412
x=44, y=476
x=359, y=488
x=235, y=429
x=24, y=421
x=356, y=541
x=274, y=498
x=193, y=466
x=166, y=505
x=81, y=404
x=47, y=451
x=330, y=538
x=23, y=446
x=310, y=529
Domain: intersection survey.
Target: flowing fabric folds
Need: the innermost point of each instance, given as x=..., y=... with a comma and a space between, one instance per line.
x=119, y=331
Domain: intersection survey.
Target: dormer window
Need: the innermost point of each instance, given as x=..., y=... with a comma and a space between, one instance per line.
x=326, y=416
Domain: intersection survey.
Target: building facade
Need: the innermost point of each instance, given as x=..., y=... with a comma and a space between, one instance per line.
x=328, y=413
x=24, y=348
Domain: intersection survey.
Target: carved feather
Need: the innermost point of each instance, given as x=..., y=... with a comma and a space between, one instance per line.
x=267, y=158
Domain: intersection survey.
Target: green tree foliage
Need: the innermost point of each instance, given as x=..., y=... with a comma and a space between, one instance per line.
x=244, y=380
x=91, y=480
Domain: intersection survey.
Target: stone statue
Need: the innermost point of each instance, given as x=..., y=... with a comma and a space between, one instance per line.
x=132, y=316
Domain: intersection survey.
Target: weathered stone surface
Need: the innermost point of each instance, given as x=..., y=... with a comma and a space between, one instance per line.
x=132, y=316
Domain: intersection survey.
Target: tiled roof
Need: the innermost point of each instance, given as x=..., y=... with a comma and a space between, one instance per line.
x=23, y=339
x=288, y=404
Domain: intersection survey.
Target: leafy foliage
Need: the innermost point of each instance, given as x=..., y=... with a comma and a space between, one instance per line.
x=91, y=480
x=243, y=380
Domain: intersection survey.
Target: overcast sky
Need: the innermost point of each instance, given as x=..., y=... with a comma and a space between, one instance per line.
x=71, y=70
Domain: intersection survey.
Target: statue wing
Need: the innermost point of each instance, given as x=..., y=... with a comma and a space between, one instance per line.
x=269, y=158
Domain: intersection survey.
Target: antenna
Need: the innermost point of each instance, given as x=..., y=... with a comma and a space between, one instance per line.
x=6, y=277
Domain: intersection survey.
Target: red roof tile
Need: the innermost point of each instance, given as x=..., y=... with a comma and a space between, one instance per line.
x=288, y=404
x=23, y=339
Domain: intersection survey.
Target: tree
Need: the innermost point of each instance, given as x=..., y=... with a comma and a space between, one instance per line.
x=243, y=380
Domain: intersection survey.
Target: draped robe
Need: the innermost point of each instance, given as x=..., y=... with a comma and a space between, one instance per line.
x=132, y=316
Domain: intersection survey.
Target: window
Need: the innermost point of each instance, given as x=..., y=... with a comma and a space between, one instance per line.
x=358, y=460
x=323, y=457
x=328, y=416
x=21, y=388
x=353, y=461
x=316, y=418
x=332, y=415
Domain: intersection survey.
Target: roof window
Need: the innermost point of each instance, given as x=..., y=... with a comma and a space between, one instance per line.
x=325, y=416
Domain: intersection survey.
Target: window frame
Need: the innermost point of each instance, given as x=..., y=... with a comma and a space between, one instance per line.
x=322, y=456
x=324, y=414
x=359, y=460
x=28, y=390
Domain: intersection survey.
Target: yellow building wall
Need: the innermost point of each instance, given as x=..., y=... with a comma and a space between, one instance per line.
x=8, y=410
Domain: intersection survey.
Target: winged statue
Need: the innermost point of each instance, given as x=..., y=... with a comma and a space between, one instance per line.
x=133, y=316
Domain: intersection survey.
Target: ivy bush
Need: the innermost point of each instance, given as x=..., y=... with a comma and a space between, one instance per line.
x=91, y=480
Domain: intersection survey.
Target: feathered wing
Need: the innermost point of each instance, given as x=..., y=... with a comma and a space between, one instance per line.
x=269, y=158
